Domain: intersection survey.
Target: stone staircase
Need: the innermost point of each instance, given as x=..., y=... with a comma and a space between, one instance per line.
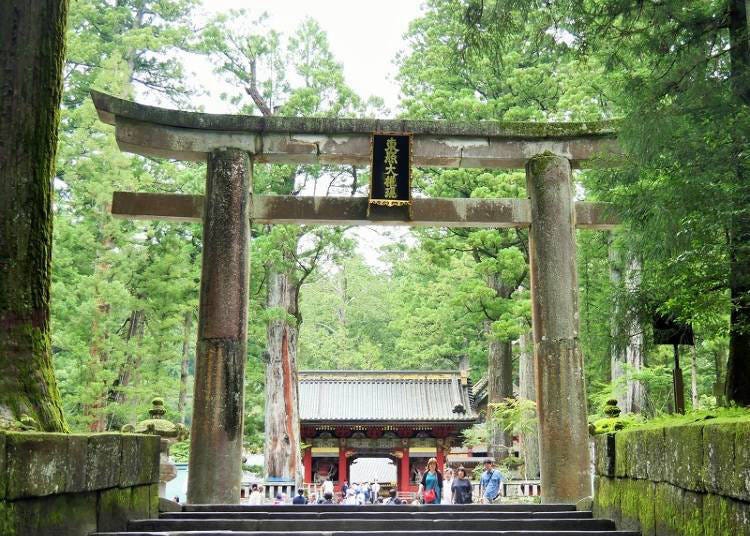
x=329, y=520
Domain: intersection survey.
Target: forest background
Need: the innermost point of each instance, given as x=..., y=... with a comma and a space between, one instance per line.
x=125, y=293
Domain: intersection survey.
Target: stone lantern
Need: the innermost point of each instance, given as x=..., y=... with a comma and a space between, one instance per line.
x=169, y=433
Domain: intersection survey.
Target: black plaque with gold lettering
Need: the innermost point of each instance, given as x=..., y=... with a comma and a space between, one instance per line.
x=390, y=178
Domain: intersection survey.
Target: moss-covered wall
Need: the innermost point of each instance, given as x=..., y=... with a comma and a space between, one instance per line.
x=691, y=480
x=73, y=484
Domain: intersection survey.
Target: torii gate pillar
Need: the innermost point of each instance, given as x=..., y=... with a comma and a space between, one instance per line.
x=215, y=470
x=561, y=392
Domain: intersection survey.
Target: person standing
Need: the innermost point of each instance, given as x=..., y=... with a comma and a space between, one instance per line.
x=375, y=491
x=328, y=486
x=447, y=489
x=490, y=482
x=300, y=497
x=461, y=488
x=432, y=483
x=256, y=497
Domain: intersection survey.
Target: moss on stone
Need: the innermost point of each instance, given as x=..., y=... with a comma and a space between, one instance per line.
x=692, y=514
x=723, y=516
x=630, y=504
x=668, y=504
x=684, y=456
x=114, y=509
x=140, y=460
x=72, y=514
x=140, y=502
x=7, y=519
x=37, y=464
x=604, y=452
x=153, y=505
x=607, y=498
x=623, y=453
x=719, y=474
x=103, y=461
x=109, y=107
x=742, y=460
x=3, y=469
x=77, y=445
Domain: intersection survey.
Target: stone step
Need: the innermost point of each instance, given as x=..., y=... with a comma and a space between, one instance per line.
x=303, y=513
x=552, y=532
x=369, y=525
x=469, y=508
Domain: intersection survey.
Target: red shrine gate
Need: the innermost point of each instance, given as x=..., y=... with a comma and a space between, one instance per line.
x=408, y=416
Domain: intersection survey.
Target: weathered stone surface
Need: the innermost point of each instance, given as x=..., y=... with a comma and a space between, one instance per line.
x=652, y=455
x=140, y=460
x=7, y=519
x=604, y=449
x=140, y=502
x=607, y=498
x=742, y=460
x=723, y=516
x=77, y=446
x=153, y=504
x=167, y=505
x=69, y=514
x=684, y=456
x=114, y=509
x=669, y=503
x=563, y=426
x=3, y=470
x=216, y=437
x=720, y=475
x=37, y=464
x=103, y=461
x=623, y=453
x=692, y=514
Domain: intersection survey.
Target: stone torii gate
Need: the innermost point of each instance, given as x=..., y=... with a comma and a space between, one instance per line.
x=231, y=143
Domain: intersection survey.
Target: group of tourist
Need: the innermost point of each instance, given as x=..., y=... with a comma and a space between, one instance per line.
x=456, y=488
x=434, y=488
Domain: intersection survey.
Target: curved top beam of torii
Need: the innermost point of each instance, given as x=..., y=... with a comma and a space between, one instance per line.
x=154, y=131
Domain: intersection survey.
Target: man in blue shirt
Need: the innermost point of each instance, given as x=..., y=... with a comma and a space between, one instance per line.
x=490, y=481
x=300, y=498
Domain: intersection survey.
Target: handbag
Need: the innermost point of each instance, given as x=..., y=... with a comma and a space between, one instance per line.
x=430, y=496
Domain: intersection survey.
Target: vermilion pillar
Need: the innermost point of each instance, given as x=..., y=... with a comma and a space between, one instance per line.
x=342, y=465
x=307, y=461
x=404, y=470
x=440, y=457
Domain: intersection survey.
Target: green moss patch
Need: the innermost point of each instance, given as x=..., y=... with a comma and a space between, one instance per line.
x=684, y=456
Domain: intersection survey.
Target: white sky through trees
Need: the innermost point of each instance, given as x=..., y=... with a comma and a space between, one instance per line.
x=364, y=36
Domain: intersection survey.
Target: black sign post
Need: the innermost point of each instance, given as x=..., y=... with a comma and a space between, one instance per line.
x=390, y=177
x=668, y=331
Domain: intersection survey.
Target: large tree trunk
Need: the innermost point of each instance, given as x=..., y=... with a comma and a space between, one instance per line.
x=738, y=366
x=499, y=376
x=527, y=391
x=499, y=387
x=32, y=39
x=627, y=334
x=282, y=435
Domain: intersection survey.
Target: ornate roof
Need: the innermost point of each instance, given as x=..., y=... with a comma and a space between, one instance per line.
x=385, y=396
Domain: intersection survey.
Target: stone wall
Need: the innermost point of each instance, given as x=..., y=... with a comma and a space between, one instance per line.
x=72, y=484
x=681, y=480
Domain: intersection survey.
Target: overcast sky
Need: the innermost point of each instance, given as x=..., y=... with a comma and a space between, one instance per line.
x=364, y=36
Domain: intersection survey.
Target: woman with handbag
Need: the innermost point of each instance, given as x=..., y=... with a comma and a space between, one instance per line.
x=432, y=483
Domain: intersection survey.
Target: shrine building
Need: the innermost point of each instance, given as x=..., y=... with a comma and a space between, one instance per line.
x=407, y=416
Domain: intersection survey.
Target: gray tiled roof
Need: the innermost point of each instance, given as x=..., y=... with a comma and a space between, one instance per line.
x=384, y=395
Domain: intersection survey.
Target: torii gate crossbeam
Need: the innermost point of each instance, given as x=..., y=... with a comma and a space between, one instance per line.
x=230, y=143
